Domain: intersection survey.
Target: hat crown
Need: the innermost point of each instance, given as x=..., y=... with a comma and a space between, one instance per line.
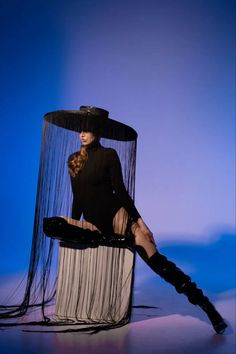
x=94, y=111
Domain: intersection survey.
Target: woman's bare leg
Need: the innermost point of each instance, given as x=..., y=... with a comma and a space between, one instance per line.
x=120, y=221
x=145, y=247
x=80, y=223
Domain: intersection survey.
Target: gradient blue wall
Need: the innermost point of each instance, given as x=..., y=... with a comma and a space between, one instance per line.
x=166, y=68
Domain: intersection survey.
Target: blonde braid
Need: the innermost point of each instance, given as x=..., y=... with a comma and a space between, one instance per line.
x=77, y=161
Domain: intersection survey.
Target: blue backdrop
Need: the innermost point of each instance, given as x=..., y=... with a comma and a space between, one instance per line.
x=167, y=68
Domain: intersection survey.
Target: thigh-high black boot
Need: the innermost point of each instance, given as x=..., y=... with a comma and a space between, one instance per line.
x=183, y=284
x=58, y=228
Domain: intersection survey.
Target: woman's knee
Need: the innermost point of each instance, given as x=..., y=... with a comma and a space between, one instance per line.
x=139, y=236
x=141, y=239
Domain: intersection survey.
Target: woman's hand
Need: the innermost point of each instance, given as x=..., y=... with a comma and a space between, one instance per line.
x=145, y=230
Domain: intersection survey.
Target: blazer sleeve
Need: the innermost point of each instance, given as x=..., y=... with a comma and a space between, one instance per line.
x=119, y=187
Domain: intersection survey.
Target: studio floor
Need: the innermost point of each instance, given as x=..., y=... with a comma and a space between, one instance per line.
x=161, y=334
x=163, y=322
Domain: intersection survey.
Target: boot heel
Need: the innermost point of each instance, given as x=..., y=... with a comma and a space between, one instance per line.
x=216, y=320
x=184, y=285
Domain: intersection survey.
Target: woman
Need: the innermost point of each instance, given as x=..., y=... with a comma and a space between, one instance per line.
x=100, y=196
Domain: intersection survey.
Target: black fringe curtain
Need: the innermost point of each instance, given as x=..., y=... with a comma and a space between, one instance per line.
x=43, y=296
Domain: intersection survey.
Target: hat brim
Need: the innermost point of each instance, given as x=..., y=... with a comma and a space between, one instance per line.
x=73, y=120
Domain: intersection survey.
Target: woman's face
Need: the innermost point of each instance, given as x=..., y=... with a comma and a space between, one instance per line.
x=86, y=138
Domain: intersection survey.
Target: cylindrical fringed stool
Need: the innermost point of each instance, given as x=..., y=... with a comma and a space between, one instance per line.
x=94, y=285
x=94, y=271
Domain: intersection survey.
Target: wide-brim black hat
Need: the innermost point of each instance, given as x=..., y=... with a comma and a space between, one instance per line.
x=93, y=119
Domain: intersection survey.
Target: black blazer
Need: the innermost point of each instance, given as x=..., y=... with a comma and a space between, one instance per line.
x=98, y=189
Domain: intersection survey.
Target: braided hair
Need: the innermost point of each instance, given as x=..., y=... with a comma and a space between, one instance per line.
x=77, y=161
